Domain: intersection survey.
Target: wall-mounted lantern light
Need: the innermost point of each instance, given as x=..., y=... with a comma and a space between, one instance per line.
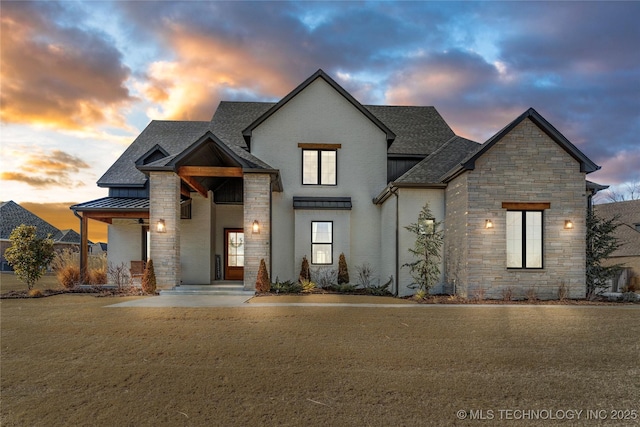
x=488, y=223
x=256, y=227
x=428, y=226
x=568, y=224
x=161, y=227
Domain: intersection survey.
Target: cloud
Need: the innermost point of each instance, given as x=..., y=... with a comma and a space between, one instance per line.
x=31, y=180
x=56, y=72
x=43, y=170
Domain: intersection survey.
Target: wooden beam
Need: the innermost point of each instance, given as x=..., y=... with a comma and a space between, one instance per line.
x=195, y=185
x=526, y=206
x=107, y=216
x=317, y=146
x=184, y=190
x=210, y=171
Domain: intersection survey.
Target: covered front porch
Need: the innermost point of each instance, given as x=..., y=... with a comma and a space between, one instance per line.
x=206, y=220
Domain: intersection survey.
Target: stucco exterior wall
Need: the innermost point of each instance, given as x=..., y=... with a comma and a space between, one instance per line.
x=319, y=114
x=195, y=243
x=125, y=236
x=388, y=246
x=341, y=236
x=524, y=166
x=410, y=204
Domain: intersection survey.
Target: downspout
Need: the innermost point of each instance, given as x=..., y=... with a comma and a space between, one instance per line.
x=394, y=191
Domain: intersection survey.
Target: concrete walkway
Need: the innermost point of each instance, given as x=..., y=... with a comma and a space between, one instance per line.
x=234, y=301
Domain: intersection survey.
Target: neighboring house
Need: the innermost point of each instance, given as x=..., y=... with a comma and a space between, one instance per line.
x=628, y=235
x=12, y=215
x=99, y=248
x=318, y=174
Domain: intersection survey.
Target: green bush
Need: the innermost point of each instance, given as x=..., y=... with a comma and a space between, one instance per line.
x=287, y=287
x=28, y=255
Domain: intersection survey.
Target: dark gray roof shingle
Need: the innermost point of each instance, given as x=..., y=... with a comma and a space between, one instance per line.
x=172, y=136
x=431, y=169
x=117, y=203
x=12, y=215
x=419, y=130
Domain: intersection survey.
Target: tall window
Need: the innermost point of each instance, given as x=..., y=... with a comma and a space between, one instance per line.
x=321, y=242
x=524, y=239
x=319, y=167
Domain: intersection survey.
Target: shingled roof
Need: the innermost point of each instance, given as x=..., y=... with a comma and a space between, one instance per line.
x=627, y=233
x=419, y=130
x=431, y=169
x=13, y=215
x=172, y=136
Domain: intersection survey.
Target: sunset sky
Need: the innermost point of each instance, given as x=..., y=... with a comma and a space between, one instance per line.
x=80, y=80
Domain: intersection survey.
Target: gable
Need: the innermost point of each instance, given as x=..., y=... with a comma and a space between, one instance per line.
x=317, y=77
x=531, y=115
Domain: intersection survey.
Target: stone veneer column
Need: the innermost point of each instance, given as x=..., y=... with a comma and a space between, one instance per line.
x=257, y=206
x=165, y=247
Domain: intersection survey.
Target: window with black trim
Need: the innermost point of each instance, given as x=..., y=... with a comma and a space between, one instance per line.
x=524, y=239
x=319, y=167
x=321, y=242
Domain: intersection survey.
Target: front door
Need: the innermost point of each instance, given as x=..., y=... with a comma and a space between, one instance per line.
x=234, y=254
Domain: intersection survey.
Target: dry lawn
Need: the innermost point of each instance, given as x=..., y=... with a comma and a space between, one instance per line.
x=69, y=360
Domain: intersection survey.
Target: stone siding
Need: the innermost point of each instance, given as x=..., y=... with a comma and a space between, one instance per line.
x=257, y=206
x=455, y=235
x=524, y=166
x=165, y=247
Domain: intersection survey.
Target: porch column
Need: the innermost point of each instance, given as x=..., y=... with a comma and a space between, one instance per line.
x=257, y=207
x=164, y=205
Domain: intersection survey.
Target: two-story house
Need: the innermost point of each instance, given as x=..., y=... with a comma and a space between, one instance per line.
x=318, y=174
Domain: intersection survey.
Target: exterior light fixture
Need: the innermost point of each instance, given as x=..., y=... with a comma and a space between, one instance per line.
x=568, y=224
x=256, y=227
x=161, y=227
x=427, y=226
x=488, y=223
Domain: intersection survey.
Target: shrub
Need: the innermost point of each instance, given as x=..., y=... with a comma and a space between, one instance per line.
x=98, y=276
x=148, y=282
x=366, y=277
x=479, y=293
x=307, y=285
x=531, y=295
x=305, y=273
x=420, y=295
x=28, y=255
x=262, y=282
x=325, y=277
x=287, y=287
x=119, y=275
x=69, y=276
x=344, y=288
x=380, y=290
x=563, y=292
x=35, y=293
x=343, y=270
x=507, y=293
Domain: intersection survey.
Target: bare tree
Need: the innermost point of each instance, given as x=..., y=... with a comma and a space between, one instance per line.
x=630, y=191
